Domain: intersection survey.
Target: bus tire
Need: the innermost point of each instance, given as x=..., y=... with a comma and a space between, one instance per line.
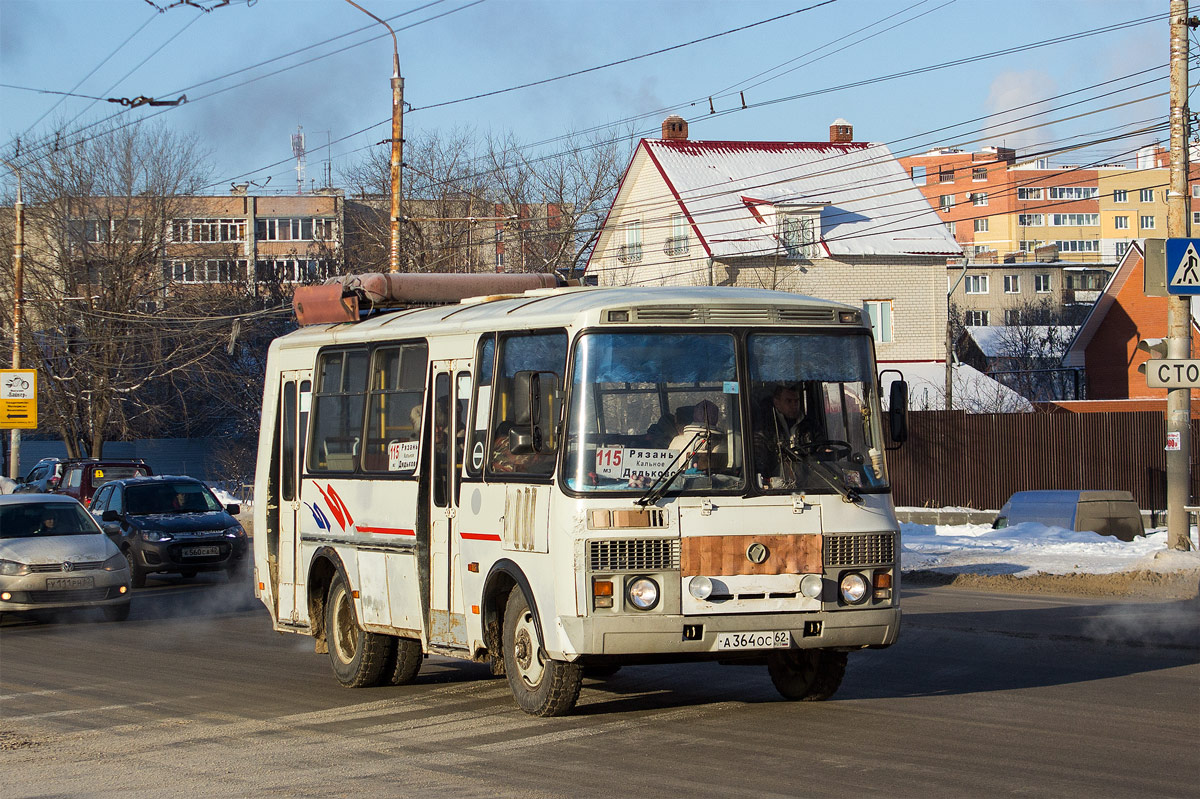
x=405, y=663
x=541, y=686
x=807, y=675
x=358, y=657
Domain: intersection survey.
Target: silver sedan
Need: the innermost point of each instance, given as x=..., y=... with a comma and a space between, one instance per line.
x=53, y=556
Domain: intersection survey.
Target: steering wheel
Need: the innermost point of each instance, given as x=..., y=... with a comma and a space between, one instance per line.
x=829, y=449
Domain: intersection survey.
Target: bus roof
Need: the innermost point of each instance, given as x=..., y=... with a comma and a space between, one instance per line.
x=543, y=308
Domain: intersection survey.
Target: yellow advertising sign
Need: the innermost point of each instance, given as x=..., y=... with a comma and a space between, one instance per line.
x=18, y=398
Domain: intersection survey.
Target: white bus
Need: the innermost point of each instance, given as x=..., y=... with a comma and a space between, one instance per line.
x=567, y=480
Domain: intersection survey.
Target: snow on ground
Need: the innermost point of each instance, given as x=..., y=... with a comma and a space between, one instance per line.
x=1026, y=549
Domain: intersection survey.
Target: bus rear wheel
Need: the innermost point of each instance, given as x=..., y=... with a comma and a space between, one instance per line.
x=807, y=675
x=358, y=657
x=405, y=662
x=542, y=686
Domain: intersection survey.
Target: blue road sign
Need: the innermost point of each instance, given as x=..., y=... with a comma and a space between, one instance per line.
x=1183, y=266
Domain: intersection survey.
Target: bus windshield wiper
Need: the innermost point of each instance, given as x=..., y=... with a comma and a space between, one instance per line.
x=827, y=474
x=664, y=480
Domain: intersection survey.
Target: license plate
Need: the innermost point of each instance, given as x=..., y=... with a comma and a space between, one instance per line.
x=69, y=583
x=772, y=639
x=200, y=552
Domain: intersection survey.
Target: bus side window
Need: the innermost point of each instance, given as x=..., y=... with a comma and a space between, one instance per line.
x=338, y=406
x=530, y=372
x=394, y=408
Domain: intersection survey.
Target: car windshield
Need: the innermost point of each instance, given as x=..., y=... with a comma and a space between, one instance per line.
x=39, y=519
x=655, y=408
x=816, y=424
x=165, y=497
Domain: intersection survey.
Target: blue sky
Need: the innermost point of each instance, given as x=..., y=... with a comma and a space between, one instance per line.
x=479, y=46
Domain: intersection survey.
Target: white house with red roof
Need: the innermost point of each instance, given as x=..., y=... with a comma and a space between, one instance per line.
x=839, y=220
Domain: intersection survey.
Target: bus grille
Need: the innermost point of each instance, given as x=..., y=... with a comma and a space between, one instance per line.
x=860, y=550
x=633, y=555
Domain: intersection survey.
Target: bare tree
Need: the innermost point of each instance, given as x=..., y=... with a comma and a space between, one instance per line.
x=113, y=347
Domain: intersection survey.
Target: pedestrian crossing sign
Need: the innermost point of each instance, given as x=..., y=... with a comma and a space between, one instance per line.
x=1183, y=266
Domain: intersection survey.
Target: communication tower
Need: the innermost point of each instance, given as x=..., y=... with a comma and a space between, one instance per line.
x=298, y=151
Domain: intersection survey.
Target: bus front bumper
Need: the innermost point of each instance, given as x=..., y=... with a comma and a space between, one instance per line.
x=705, y=636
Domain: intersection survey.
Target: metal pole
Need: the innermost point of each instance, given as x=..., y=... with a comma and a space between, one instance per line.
x=14, y=449
x=397, y=140
x=1179, y=344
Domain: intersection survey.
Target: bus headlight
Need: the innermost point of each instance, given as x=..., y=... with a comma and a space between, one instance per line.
x=811, y=586
x=700, y=587
x=642, y=593
x=854, y=588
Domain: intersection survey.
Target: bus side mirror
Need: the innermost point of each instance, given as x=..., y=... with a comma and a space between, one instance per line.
x=534, y=423
x=898, y=411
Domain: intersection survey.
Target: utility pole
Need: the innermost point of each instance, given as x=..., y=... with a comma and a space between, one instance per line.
x=397, y=140
x=14, y=449
x=1179, y=344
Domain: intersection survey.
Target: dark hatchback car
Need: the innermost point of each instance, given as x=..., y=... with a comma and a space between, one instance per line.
x=170, y=524
x=79, y=477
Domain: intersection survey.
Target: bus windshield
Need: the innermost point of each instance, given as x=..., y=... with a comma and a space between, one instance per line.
x=665, y=411
x=649, y=405
x=816, y=413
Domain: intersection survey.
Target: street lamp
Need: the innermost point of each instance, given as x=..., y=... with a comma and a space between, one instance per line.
x=14, y=450
x=397, y=139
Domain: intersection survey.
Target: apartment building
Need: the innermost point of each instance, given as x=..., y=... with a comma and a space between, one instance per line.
x=1022, y=293
x=1001, y=209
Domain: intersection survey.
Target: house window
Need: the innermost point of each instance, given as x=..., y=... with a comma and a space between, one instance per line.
x=1031, y=220
x=292, y=270
x=880, y=314
x=677, y=242
x=1012, y=316
x=208, y=230
x=1085, y=245
x=797, y=234
x=977, y=284
x=1147, y=222
x=1029, y=193
x=979, y=198
x=946, y=174
x=1196, y=190
x=1121, y=222
x=1196, y=217
x=1074, y=192
x=946, y=202
x=981, y=225
x=1146, y=196
x=631, y=251
x=293, y=229
x=1012, y=284
x=1122, y=248
x=918, y=175
x=1041, y=284
x=952, y=227
x=1120, y=196
x=975, y=318
x=979, y=173
x=1074, y=220
x=104, y=231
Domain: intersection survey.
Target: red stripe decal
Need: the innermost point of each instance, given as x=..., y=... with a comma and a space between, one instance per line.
x=384, y=530
x=345, y=510
x=481, y=536
x=333, y=507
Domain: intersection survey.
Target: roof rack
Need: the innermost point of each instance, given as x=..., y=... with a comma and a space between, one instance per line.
x=347, y=297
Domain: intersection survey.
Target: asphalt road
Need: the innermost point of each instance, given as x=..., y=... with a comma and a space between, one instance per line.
x=984, y=695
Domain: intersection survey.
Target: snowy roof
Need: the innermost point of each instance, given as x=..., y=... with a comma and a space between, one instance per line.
x=867, y=203
x=974, y=392
x=999, y=341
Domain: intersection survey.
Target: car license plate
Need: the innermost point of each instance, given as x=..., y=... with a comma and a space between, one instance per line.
x=200, y=552
x=68, y=583
x=771, y=639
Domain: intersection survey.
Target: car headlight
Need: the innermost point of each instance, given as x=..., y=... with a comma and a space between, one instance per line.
x=642, y=593
x=10, y=568
x=854, y=587
x=235, y=532
x=155, y=535
x=115, y=563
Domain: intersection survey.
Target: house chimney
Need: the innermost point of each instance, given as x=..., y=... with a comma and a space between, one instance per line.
x=841, y=131
x=674, y=128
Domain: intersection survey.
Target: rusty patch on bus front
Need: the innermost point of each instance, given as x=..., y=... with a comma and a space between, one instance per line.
x=716, y=555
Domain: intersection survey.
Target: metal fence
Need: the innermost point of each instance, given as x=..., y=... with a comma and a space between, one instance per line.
x=955, y=459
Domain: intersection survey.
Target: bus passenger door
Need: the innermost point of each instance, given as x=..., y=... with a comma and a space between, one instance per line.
x=451, y=397
x=295, y=397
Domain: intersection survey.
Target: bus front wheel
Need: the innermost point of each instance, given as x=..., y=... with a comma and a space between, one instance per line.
x=358, y=657
x=808, y=675
x=542, y=686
